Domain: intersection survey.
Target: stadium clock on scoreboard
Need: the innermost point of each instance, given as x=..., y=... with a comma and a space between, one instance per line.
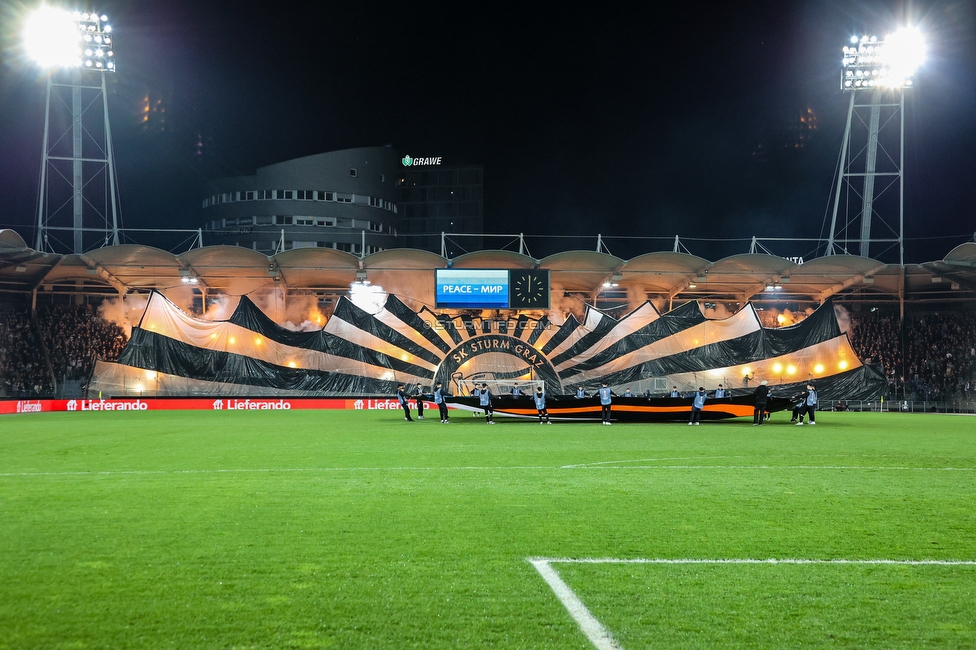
x=492, y=288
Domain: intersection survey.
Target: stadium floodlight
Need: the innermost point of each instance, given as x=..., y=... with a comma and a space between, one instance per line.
x=870, y=63
x=56, y=38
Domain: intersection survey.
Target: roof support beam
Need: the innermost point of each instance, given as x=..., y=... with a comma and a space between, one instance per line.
x=105, y=275
x=849, y=282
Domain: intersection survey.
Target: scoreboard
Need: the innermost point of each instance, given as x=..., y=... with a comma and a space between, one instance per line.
x=492, y=288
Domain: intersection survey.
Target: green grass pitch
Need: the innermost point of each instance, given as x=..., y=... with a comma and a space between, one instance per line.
x=355, y=529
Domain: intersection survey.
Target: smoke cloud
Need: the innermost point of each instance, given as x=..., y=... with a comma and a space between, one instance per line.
x=561, y=305
x=296, y=312
x=844, y=320
x=368, y=297
x=124, y=312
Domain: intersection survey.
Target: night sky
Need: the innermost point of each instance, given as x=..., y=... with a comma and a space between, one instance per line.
x=593, y=119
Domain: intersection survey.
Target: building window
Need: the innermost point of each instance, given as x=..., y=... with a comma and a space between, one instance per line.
x=289, y=194
x=382, y=178
x=353, y=172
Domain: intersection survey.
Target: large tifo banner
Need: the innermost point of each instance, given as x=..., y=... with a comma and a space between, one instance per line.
x=8, y=407
x=358, y=353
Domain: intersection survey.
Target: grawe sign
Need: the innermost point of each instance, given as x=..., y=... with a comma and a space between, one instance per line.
x=8, y=407
x=420, y=162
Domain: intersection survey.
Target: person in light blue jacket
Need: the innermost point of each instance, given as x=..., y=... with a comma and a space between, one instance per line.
x=540, y=406
x=697, y=404
x=809, y=405
x=441, y=403
x=605, y=395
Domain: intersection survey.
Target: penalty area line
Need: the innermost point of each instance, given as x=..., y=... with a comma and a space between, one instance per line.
x=598, y=635
x=601, y=638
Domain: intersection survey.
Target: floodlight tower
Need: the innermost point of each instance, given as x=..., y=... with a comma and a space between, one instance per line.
x=77, y=49
x=876, y=73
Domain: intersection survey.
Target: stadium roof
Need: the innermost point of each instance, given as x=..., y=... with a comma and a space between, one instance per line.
x=669, y=275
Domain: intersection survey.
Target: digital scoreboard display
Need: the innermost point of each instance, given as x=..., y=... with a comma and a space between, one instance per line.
x=492, y=288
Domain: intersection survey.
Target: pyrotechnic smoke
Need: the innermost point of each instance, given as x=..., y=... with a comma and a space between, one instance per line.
x=717, y=311
x=124, y=312
x=296, y=312
x=844, y=321
x=636, y=296
x=221, y=307
x=368, y=297
x=181, y=296
x=562, y=305
x=414, y=287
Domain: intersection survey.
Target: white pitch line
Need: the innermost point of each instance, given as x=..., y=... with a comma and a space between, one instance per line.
x=737, y=467
x=266, y=470
x=611, y=560
x=601, y=638
x=477, y=468
x=598, y=635
x=639, y=460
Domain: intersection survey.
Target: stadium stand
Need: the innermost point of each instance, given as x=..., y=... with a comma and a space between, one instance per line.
x=72, y=337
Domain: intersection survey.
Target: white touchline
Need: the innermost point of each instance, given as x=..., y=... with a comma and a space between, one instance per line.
x=613, y=560
x=478, y=468
x=594, y=631
x=601, y=638
x=640, y=460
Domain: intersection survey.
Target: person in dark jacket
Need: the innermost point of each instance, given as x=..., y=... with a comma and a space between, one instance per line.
x=404, y=403
x=418, y=392
x=759, y=412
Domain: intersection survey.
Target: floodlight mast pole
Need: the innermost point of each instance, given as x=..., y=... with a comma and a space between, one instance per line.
x=867, y=75
x=98, y=59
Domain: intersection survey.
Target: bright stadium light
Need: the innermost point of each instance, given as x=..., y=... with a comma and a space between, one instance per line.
x=52, y=38
x=869, y=63
x=55, y=38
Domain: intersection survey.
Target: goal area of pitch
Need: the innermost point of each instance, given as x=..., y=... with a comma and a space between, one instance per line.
x=499, y=386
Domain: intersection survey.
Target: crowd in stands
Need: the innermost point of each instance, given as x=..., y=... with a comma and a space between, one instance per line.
x=22, y=369
x=74, y=337
x=933, y=359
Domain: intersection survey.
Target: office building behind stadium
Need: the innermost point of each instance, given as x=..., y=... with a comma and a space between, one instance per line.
x=344, y=200
x=359, y=201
